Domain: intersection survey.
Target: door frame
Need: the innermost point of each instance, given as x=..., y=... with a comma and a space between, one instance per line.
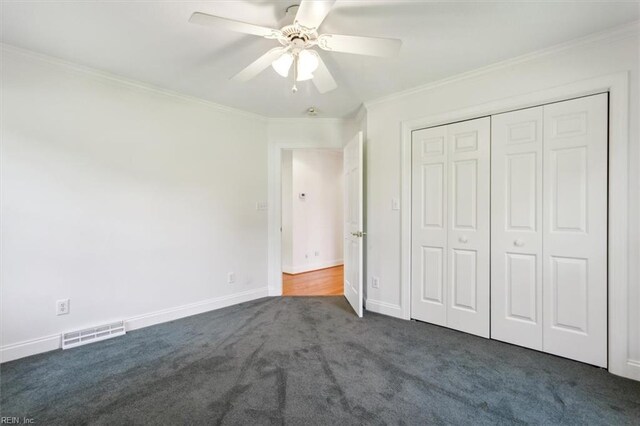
x=617, y=85
x=274, y=253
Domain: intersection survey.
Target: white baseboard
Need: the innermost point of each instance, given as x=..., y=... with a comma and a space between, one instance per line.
x=273, y=292
x=53, y=342
x=312, y=267
x=383, y=308
x=30, y=347
x=633, y=370
x=171, y=314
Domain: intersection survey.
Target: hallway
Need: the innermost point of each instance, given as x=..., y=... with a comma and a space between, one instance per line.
x=324, y=282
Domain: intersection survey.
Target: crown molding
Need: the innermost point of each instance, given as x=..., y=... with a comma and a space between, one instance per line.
x=616, y=33
x=306, y=120
x=613, y=34
x=146, y=87
x=362, y=113
x=134, y=84
x=358, y=114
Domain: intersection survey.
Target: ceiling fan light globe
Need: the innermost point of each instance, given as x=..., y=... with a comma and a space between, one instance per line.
x=283, y=64
x=307, y=63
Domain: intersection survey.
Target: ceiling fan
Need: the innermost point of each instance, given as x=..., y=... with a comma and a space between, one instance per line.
x=297, y=44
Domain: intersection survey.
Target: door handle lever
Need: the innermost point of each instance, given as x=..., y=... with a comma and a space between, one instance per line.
x=359, y=234
x=518, y=242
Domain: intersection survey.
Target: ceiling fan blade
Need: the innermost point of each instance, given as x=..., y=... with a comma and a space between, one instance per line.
x=232, y=25
x=259, y=64
x=311, y=13
x=322, y=78
x=372, y=46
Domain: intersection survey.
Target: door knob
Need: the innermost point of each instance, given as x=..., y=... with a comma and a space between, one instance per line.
x=518, y=242
x=463, y=239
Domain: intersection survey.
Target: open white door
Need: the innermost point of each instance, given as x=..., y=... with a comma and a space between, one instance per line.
x=353, y=223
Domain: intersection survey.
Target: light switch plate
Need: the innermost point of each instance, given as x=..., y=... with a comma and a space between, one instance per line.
x=395, y=204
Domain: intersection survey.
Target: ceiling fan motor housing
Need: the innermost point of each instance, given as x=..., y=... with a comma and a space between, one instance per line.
x=297, y=36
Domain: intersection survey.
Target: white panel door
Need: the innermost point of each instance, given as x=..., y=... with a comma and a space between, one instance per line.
x=468, y=145
x=353, y=223
x=575, y=229
x=516, y=227
x=429, y=225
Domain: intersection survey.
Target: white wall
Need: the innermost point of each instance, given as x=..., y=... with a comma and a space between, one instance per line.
x=312, y=132
x=600, y=56
x=117, y=195
x=312, y=227
x=126, y=200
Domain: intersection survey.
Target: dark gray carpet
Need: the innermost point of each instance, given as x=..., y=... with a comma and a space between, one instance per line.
x=309, y=361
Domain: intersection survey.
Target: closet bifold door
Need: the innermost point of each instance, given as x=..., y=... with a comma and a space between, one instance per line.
x=429, y=226
x=450, y=226
x=575, y=229
x=468, y=245
x=516, y=227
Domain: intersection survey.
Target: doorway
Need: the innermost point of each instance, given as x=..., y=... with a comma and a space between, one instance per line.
x=312, y=222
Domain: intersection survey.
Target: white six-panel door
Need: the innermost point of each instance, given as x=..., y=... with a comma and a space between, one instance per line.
x=429, y=224
x=450, y=216
x=516, y=227
x=353, y=222
x=549, y=228
x=468, y=230
x=575, y=229
x=548, y=256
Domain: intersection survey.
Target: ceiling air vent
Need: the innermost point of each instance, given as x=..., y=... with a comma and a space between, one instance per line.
x=94, y=334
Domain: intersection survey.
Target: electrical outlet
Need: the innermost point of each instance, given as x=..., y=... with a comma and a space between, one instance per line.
x=231, y=277
x=62, y=306
x=375, y=282
x=317, y=253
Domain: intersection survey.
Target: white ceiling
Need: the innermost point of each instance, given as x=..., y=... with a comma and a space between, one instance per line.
x=152, y=42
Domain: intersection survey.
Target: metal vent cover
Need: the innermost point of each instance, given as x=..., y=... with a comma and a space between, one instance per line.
x=93, y=334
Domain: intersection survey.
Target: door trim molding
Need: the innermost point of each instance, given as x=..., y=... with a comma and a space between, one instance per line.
x=618, y=282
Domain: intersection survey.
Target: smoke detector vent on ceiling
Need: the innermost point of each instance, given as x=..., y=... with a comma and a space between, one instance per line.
x=94, y=334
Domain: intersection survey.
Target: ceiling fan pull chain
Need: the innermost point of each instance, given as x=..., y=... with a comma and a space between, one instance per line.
x=294, y=89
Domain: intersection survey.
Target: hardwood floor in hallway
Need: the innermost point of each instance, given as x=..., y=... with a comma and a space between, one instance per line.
x=324, y=282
